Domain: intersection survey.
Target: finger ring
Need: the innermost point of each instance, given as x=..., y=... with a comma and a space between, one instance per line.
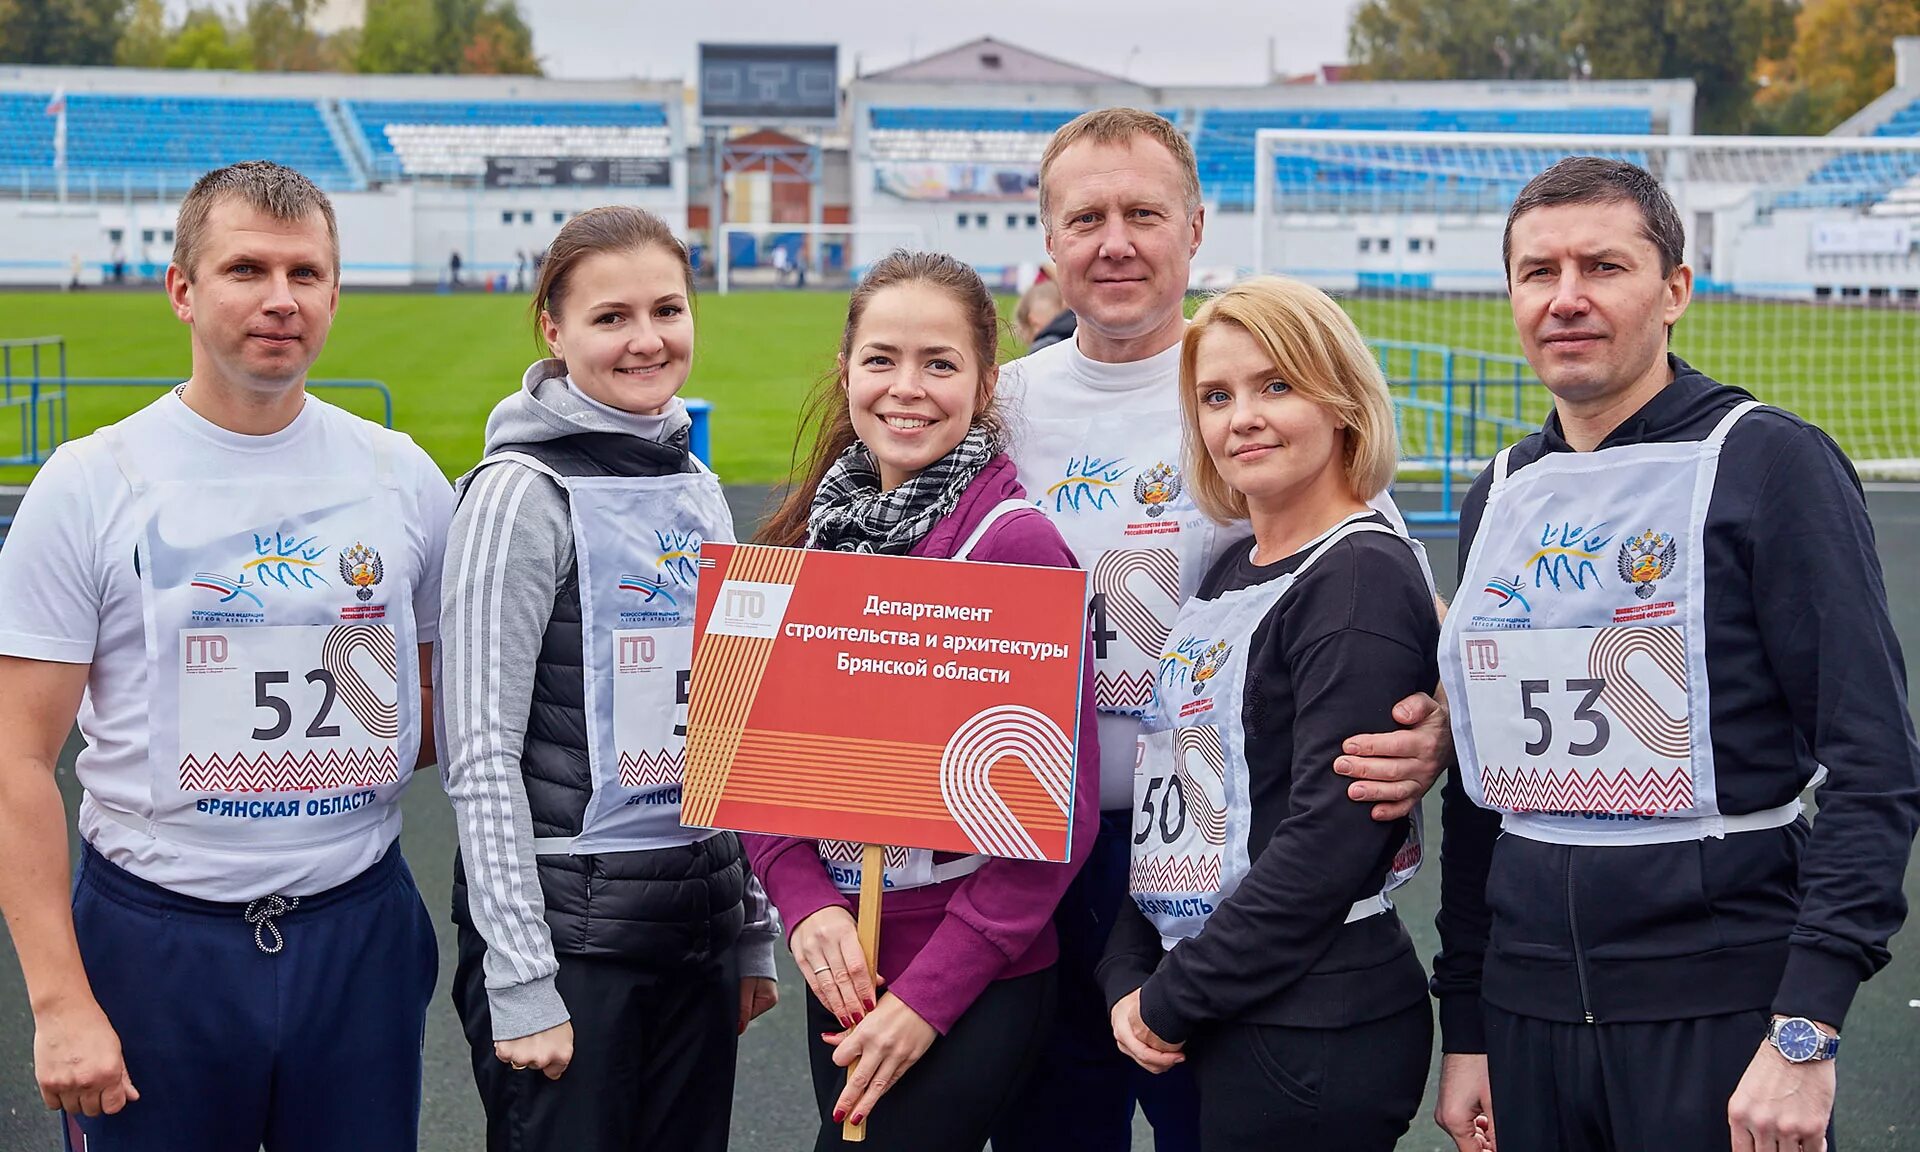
x=519, y=1067
x=823, y=968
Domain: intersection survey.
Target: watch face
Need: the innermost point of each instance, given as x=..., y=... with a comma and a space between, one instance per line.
x=1798, y=1040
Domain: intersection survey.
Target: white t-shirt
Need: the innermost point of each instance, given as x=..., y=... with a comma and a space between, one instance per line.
x=1060, y=383
x=69, y=594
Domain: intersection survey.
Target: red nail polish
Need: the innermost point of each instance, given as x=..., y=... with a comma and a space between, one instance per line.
x=858, y=1118
x=869, y=1005
x=839, y=1114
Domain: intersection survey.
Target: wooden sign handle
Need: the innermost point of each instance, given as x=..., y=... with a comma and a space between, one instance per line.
x=873, y=867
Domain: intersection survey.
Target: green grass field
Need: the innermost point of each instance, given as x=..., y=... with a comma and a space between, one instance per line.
x=448, y=359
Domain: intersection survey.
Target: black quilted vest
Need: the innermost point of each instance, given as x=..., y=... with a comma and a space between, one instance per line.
x=663, y=908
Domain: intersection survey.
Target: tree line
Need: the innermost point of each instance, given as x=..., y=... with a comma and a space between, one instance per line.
x=440, y=36
x=1761, y=66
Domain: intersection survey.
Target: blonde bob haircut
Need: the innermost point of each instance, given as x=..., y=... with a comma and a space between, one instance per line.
x=1318, y=352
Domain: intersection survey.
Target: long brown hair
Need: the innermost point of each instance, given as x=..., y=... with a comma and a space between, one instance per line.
x=826, y=421
x=612, y=228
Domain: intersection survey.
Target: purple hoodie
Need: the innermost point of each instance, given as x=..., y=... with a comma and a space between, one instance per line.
x=941, y=945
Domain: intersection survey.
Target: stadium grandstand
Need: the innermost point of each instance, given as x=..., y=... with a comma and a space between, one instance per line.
x=421, y=166
x=1391, y=195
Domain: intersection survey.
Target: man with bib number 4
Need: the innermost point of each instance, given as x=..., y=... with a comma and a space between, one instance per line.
x=236, y=588
x=1670, y=616
x=1094, y=426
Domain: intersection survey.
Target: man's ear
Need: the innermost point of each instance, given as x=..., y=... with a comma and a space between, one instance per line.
x=177, y=293
x=1679, y=293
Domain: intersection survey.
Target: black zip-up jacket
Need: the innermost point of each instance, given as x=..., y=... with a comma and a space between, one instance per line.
x=1352, y=638
x=1803, y=669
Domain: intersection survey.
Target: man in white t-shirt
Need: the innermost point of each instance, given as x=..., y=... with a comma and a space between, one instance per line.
x=235, y=590
x=1095, y=428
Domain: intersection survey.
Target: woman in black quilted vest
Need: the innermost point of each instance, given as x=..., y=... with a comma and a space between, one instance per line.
x=609, y=957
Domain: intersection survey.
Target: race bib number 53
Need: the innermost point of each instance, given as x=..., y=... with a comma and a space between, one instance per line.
x=288, y=709
x=1582, y=719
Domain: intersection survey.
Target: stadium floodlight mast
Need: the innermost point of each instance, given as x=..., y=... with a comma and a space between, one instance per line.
x=1806, y=253
x=904, y=235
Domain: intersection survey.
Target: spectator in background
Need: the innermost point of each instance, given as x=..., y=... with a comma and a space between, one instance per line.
x=119, y=263
x=1041, y=318
x=453, y=268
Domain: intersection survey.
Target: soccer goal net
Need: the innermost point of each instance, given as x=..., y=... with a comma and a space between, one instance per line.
x=1806, y=254
x=772, y=256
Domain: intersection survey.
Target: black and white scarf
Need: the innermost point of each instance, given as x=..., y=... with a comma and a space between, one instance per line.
x=851, y=514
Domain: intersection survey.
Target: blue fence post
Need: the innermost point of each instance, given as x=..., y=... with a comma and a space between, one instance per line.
x=699, y=437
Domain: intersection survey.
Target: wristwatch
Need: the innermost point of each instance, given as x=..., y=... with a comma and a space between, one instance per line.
x=1800, y=1040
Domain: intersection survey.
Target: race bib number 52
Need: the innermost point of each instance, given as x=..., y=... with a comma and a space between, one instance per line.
x=288, y=709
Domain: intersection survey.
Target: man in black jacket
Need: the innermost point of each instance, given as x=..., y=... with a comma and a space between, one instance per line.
x=1670, y=616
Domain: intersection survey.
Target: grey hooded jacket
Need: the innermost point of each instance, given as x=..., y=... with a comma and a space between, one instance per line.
x=508, y=675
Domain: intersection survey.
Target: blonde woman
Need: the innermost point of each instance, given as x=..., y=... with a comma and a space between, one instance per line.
x=1260, y=943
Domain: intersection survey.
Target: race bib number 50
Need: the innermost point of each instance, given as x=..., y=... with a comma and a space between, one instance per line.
x=288, y=709
x=1582, y=719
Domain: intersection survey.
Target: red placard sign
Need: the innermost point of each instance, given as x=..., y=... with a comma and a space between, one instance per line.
x=885, y=700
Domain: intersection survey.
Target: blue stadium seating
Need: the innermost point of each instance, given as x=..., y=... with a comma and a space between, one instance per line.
x=973, y=119
x=373, y=116
x=1224, y=147
x=1859, y=179
x=1905, y=122
x=981, y=119
x=115, y=138
x=1224, y=143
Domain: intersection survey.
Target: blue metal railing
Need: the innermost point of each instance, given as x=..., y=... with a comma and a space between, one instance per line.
x=1454, y=409
x=43, y=401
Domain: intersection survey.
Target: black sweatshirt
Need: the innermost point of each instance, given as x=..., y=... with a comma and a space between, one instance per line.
x=1803, y=669
x=1353, y=637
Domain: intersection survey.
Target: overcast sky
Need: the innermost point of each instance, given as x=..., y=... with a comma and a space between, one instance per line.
x=1149, y=41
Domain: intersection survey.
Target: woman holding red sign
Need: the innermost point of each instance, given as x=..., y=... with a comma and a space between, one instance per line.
x=907, y=460
x=1260, y=941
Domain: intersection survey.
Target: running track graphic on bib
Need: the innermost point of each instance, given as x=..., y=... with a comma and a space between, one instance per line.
x=847, y=852
x=1203, y=739
x=651, y=769
x=1629, y=699
x=1175, y=874
x=991, y=736
x=1133, y=618
x=381, y=719
x=1622, y=791
x=286, y=772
